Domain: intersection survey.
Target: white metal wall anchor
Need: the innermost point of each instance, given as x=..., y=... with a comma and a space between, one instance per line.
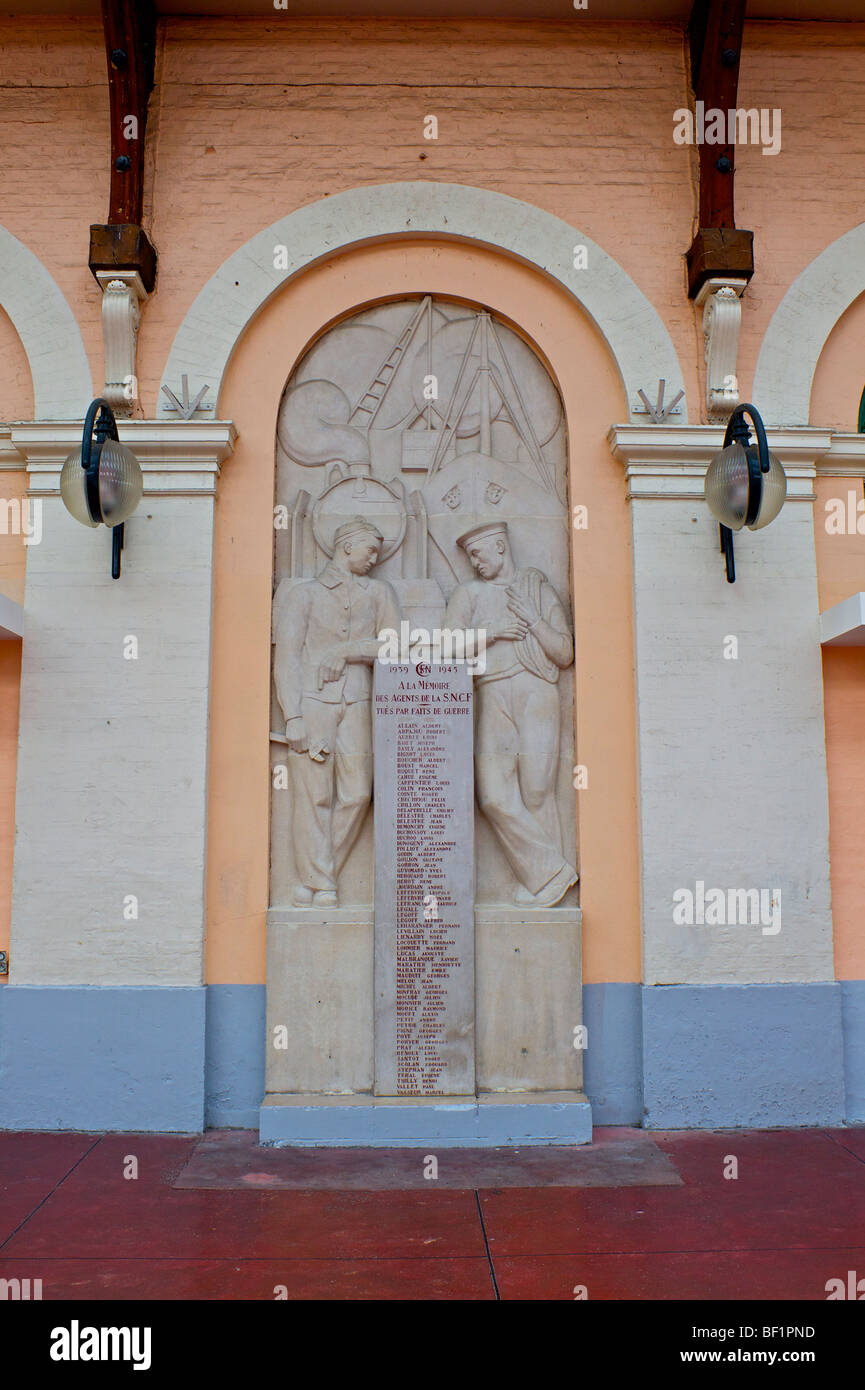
x=660, y=412
x=122, y=293
x=720, y=299
x=184, y=404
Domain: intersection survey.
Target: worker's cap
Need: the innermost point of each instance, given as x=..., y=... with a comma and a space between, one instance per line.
x=355, y=526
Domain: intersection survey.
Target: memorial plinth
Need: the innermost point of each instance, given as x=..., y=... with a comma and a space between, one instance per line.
x=424, y=880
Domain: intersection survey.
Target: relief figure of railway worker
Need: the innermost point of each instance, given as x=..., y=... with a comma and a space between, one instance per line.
x=325, y=644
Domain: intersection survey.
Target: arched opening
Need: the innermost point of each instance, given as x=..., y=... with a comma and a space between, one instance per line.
x=532, y=309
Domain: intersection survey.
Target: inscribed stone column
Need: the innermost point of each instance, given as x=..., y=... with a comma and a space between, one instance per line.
x=424, y=881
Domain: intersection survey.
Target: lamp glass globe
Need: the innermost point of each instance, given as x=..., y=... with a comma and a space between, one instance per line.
x=727, y=486
x=73, y=490
x=774, y=494
x=120, y=482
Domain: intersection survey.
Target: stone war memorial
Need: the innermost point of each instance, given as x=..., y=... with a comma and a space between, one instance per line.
x=423, y=934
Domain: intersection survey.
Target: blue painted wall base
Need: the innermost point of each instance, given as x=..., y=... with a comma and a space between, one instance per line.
x=613, y=1060
x=853, y=1014
x=696, y=1056
x=234, y=1067
x=743, y=1056
x=101, y=1058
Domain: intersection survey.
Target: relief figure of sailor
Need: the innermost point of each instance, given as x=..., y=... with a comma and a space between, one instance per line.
x=528, y=643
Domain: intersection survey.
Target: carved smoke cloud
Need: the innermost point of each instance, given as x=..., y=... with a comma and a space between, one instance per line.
x=314, y=428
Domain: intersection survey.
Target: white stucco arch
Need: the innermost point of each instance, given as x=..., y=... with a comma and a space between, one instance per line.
x=801, y=324
x=633, y=330
x=49, y=333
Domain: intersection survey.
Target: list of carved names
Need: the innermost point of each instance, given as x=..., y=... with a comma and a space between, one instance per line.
x=423, y=739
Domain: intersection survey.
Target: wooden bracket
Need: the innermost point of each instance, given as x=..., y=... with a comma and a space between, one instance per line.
x=719, y=252
x=130, y=41
x=122, y=259
x=718, y=249
x=123, y=247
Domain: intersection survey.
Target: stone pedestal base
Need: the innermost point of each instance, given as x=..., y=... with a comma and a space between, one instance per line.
x=486, y=1121
x=320, y=1036
x=529, y=999
x=320, y=989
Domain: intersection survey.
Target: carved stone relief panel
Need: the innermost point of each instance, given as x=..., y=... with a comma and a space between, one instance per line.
x=422, y=484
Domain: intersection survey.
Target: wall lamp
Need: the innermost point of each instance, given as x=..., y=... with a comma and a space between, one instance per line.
x=101, y=483
x=745, y=484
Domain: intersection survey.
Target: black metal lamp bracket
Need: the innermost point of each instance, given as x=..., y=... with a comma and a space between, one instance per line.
x=738, y=432
x=99, y=425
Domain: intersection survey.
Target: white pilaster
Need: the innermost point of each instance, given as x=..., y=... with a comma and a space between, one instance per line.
x=112, y=762
x=732, y=762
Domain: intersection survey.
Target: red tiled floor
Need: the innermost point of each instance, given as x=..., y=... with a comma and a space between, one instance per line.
x=764, y=1275
x=99, y=1213
x=852, y=1140
x=559, y=1221
x=30, y=1166
x=255, y=1279
x=794, y=1189
x=794, y=1218
x=220, y=1225
x=771, y=1159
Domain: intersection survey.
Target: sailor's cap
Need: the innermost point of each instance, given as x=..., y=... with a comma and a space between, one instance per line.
x=489, y=528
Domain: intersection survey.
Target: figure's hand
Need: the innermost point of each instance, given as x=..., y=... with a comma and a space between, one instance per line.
x=331, y=668
x=318, y=751
x=514, y=632
x=522, y=607
x=295, y=734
